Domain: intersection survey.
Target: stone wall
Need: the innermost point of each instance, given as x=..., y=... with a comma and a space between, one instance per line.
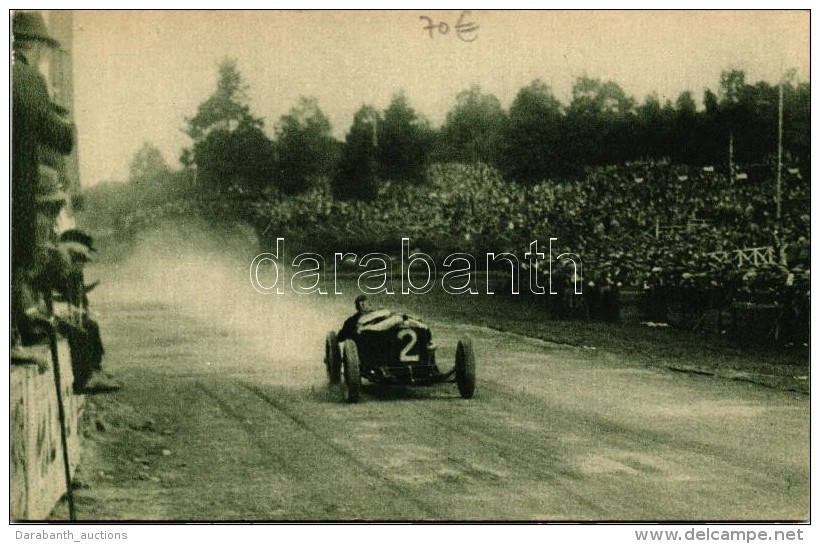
x=36, y=471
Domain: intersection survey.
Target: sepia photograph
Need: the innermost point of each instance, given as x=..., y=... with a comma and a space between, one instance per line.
x=430, y=266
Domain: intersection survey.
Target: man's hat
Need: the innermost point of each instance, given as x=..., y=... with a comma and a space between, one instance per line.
x=51, y=203
x=30, y=25
x=50, y=196
x=74, y=252
x=78, y=236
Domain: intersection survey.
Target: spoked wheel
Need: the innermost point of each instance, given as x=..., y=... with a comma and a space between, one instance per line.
x=333, y=358
x=353, y=379
x=465, y=368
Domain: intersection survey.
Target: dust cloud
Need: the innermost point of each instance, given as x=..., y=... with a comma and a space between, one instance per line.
x=202, y=272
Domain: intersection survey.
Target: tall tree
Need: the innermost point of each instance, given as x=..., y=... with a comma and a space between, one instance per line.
x=600, y=123
x=356, y=176
x=473, y=129
x=532, y=139
x=226, y=109
x=404, y=142
x=306, y=150
x=713, y=136
x=743, y=115
x=147, y=166
x=686, y=130
x=797, y=124
x=230, y=147
x=242, y=158
x=655, y=130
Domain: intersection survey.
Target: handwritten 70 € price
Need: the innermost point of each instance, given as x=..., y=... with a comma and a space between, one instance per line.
x=466, y=30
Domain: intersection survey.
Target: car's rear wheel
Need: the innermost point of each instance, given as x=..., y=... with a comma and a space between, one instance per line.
x=465, y=368
x=333, y=358
x=353, y=379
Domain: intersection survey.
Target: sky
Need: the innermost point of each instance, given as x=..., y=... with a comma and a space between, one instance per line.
x=138, y=74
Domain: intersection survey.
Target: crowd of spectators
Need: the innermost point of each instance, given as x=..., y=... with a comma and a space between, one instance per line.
x=651, y=226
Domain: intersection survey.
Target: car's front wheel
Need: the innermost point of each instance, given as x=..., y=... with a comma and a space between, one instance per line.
x=333, y=358
x=465, y=368
x=353, y=379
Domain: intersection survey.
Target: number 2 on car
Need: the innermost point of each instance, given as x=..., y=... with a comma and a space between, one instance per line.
x=405, y=356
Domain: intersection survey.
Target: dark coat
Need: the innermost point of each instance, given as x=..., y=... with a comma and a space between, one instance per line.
x=349, y=327
x=35, y=122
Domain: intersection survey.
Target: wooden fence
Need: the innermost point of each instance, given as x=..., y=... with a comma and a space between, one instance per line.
x=746, y=257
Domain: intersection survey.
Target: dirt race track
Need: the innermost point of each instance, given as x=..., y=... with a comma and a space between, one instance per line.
x=226, y=415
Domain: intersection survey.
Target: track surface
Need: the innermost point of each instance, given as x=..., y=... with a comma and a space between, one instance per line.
x=240, y=423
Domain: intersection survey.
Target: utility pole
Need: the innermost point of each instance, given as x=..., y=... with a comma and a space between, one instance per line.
x=375, y=119
x=60, y=23
x=778, y=196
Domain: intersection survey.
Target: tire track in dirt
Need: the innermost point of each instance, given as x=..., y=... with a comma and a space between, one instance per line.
x=535, y=453
x=336, y=483
x=736, y=476
x=529, y=458
x=289, y=412
x=754, y=467
x=734, y=468
x=468, y=456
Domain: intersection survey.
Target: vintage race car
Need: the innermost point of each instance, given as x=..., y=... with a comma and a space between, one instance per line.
x=393, y=348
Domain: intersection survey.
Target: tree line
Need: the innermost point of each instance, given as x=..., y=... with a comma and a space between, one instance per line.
x=537, y=138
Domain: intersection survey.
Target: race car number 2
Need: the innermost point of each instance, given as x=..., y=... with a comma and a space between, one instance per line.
x=409, y=336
